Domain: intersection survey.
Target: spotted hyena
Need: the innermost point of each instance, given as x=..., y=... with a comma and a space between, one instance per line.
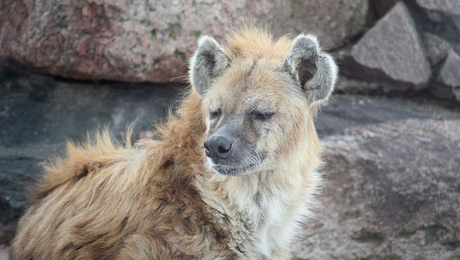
x=229, y=176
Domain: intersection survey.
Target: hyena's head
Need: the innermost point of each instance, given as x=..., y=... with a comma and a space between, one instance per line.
x=259, y=102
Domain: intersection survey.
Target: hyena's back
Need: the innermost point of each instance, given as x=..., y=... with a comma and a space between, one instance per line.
x=104, y=201
x=80, y=203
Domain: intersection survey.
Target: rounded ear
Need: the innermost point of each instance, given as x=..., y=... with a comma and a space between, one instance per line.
x=314, y=70
x=208, y=62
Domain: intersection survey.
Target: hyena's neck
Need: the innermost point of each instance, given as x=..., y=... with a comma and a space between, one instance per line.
x=261, y=211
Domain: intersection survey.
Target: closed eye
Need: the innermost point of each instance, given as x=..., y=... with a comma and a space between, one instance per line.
x=261, y=116
x=215, y=113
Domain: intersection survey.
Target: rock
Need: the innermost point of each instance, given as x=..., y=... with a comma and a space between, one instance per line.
x=437, y=10
x=441, y=91
x=383, y=6
x=117, y=40
x=389, y=51
x=449, y=78
x=149, y=40
x=449, y=74
x=436, y=48
x=335, y=22
x=4, y=255
x=392, y=191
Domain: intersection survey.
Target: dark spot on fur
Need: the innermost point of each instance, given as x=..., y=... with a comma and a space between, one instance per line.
x=251, y=69
x=282, y=128
x=168, y=163
x=239, y=249
x=83, y=174
x=258, y=198
x=123, y=223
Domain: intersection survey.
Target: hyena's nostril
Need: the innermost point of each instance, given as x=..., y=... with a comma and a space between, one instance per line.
x=224, y=148
x=219, y=147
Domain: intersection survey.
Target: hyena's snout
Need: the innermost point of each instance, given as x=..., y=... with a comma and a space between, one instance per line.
x=221, y=146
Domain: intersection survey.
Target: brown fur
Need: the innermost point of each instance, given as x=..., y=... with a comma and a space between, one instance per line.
x=158, y=199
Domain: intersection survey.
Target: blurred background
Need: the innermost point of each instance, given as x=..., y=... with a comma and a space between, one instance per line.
x=391, y=131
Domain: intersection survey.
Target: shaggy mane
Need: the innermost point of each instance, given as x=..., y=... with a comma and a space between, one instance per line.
x=256, y=43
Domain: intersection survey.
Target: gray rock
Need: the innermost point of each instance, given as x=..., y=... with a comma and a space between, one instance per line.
x=392, y=191
x=438, y=9
x=449, y=74
x=447, y=84
x=441, y=91
x=383, y=6
x=392, y=52
x=436, y=48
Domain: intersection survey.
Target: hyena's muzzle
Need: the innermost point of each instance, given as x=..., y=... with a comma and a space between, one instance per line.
x=229, y=150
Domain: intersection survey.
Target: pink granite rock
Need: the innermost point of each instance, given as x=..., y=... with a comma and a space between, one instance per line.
x=148, y=40
x=116, y=40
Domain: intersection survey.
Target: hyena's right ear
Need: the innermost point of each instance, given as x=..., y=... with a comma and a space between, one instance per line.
x=208, y=62
x=314, y=70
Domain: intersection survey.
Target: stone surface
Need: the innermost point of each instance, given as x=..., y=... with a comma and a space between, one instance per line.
x=391, y=51
x=383, y=6
x=448, y=80
x=4, y=253
x=445, y=7
x=335, y=22
x=436, y=48
x=117, y=40
x=149, y=40
x=449, y=74
x=392, y=191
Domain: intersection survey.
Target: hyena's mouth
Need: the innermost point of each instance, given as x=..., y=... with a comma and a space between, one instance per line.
x=234, y=170
x=239, y=169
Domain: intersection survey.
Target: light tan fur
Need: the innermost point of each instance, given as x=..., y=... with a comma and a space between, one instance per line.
x=162, y=199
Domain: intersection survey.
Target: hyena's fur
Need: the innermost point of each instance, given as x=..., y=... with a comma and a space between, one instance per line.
x=163, y=199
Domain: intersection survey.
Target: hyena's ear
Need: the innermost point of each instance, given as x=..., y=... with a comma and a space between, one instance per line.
x=208, y=62
x=314, y=70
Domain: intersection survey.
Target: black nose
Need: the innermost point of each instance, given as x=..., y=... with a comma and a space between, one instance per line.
x=219, y=147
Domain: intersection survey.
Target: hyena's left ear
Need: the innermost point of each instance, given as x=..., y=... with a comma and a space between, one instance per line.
x=314, y=70
x=208, y=62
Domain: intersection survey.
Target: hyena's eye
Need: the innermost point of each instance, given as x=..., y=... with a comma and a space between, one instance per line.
x=261, y=116
x=215, y=113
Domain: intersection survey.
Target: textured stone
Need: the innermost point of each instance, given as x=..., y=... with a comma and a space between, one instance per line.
x=436, y=48
x=449, y=78
x=445, y=7
x=149, y=40
x=449, y=74
x=383, y=6
x=392, y=191
x=117, y=40
x=333, y=21
x=391, y=51
x=4, y=253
